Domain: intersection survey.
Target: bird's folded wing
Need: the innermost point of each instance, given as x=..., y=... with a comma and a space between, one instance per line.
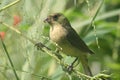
x=77, y=42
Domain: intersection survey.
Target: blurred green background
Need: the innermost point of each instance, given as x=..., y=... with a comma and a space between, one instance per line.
x=28, y=16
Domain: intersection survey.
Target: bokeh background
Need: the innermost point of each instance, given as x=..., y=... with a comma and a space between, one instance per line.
x=28, y=15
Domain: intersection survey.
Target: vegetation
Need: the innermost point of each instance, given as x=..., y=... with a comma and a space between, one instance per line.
x=21, y=27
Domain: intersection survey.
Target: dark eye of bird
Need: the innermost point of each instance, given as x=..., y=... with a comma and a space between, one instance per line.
x=55, y=17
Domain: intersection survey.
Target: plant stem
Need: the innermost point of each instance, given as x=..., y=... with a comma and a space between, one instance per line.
x=9, y=5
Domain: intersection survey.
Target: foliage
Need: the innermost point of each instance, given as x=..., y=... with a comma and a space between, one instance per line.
x=31, y=64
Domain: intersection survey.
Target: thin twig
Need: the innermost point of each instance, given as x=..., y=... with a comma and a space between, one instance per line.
x=36, y=75
x=9, y=5
x=11, y=63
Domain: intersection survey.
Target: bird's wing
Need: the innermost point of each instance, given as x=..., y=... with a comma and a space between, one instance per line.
x=77, y=42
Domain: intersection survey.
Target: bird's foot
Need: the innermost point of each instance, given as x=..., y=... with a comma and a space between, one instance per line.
x=70, y=67
x=40, y=46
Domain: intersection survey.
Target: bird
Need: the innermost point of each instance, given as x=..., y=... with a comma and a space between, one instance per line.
x=62, y=33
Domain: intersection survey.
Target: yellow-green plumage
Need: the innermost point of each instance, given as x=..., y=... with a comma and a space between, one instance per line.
x=65, y=36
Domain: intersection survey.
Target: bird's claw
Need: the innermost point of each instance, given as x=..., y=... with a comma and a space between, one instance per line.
x=68, y=68
x=39, y=46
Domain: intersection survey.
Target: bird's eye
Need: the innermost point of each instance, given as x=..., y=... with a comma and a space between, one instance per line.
x=55, y=17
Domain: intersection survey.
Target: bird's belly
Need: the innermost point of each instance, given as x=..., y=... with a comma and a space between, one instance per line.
x=57, y=34
x=70, y=50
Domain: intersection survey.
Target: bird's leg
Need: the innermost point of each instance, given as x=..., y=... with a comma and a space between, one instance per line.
x=57, y=51
x=77, y=63
x=70, y=67
x=40, y=45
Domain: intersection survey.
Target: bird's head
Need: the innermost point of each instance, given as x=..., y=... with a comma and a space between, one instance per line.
x=56, y=18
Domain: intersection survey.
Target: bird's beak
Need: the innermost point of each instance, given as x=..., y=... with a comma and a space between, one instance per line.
x=47, y=20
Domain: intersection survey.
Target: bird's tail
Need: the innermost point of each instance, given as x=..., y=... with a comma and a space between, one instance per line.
x=85, y=65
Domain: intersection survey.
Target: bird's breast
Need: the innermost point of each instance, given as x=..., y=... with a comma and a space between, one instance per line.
x=58, y=33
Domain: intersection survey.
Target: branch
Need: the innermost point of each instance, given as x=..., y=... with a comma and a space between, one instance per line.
x=9, y=5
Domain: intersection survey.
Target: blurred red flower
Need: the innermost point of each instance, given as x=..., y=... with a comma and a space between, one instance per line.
x=17, y=20
x=2, y=35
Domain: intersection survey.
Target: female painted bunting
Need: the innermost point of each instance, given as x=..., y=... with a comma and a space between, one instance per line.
x=66, y=37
